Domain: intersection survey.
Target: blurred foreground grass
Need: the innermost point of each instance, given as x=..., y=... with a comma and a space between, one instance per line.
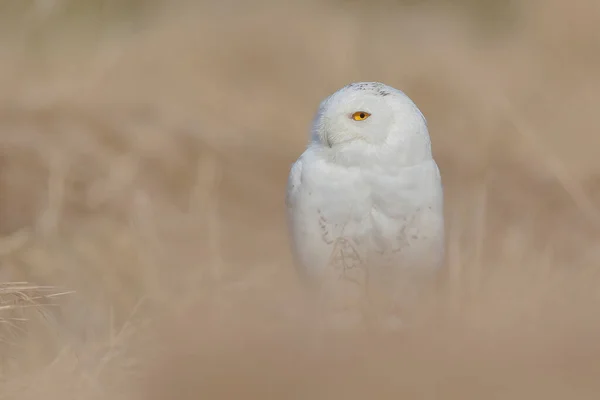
x=143, y=162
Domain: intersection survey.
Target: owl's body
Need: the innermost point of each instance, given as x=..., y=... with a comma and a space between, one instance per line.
x=387, y=217
x=365, y=200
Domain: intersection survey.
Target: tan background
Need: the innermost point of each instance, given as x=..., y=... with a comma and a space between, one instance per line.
x=144, y=148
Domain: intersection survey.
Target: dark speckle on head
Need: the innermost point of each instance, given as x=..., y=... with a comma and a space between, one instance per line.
x=377, y=87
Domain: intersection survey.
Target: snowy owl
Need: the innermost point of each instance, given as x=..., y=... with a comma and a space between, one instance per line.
x=365, y=201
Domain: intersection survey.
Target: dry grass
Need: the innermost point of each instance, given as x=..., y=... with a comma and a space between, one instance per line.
x=143, y=161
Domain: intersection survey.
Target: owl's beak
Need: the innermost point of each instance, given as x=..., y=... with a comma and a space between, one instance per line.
x=338, y=141
x=332, y=136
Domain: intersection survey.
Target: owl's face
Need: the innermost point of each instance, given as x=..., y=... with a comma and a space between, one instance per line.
x=369, y=116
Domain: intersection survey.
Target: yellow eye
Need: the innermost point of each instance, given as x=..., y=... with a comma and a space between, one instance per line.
x=360, y=115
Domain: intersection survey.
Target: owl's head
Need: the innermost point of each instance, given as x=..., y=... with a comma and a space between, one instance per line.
x=371, y=119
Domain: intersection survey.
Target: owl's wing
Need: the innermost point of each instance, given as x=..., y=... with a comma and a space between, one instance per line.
x=312, y=236
x=293, y=184
x=295, y=218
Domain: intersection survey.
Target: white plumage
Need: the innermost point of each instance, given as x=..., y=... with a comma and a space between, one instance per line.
x=365, y=200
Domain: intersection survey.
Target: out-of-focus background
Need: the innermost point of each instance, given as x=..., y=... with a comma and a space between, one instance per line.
x=144, y=149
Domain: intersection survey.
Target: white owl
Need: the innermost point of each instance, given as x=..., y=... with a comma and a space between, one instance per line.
x=365, y=201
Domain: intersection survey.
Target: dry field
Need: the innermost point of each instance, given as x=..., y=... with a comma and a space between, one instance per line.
x=144, y=150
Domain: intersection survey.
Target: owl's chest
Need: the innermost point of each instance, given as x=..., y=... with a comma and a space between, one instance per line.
x=363, y=210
